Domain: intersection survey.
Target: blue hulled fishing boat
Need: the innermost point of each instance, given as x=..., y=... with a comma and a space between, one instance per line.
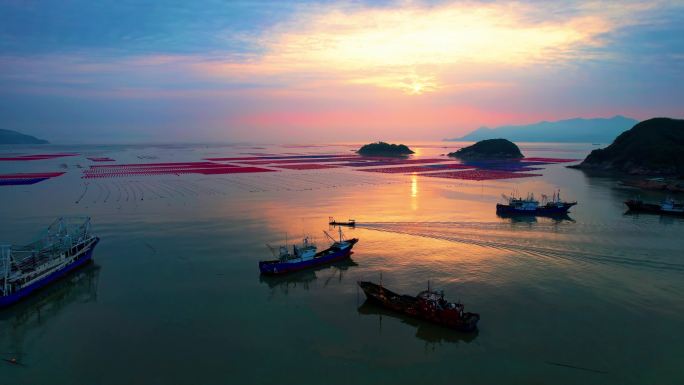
x=66, y=246
x=532, y=206
x=305, y=255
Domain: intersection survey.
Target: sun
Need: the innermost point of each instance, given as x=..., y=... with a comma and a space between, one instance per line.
x=416, y=88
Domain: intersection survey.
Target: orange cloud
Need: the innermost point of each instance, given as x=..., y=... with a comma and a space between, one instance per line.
x=414, y=49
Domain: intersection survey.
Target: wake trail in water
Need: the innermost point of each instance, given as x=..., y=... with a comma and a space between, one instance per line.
x=518, y=242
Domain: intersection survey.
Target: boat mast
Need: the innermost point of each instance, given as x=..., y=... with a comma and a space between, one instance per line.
x=5, y=254
x=329, y=236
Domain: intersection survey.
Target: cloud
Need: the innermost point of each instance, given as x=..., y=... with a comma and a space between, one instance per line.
x=412, y=47
x=416, y=48
x=336, y=70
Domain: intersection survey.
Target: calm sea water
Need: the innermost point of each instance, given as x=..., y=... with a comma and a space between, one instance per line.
x=175, y=296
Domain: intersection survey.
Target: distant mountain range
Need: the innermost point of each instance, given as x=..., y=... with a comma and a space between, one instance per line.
x=579, y=130
x=13, y=137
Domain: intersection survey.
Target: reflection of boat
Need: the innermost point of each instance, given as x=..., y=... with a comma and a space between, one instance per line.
x=428, y=305
x=79, y=287
x=305, y=256
x=66, y=245
x=349, y=222
x=426, y=331
x=667, y=207
x=517, y=218
x=18, y=323
x=305, y=277
x=531, y=206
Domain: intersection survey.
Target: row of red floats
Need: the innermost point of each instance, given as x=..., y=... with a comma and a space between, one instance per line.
x=481, y=175
x=411, y=169
x=150, y=169
x=26, y=178
x=425, y=167
x=16, y=158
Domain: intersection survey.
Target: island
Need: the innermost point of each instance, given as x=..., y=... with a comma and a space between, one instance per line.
x=14, y=137
x=384, y=149
x=576, y=130
x=489, y=149
x=651, y=147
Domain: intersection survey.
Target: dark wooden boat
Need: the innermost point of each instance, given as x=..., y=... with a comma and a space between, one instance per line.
x=349, y=222
x=667, y=207
x=428, y=305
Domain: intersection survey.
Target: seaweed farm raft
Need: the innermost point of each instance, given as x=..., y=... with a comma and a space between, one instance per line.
x=66, y=245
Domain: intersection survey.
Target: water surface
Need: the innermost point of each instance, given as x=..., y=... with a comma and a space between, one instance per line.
x=175, y=297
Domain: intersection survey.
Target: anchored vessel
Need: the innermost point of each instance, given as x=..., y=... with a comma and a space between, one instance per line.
x=305, y=255
x=349, y=222
x=429, y=305
x=532, y=206
x=66, y=245
x=668, y=207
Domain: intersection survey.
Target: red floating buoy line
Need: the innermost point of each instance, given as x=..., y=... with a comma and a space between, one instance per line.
x=481, y=175
x=176, y=168
x=35, y=157
x=306, y=166
x=26, y=178
x=412, y=169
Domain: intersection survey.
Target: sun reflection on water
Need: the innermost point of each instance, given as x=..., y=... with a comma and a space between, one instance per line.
x=414, y=192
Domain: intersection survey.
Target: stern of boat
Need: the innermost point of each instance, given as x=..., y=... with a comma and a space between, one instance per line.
x=268, y=267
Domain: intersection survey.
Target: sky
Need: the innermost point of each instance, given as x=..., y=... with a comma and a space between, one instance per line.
x=317, y=71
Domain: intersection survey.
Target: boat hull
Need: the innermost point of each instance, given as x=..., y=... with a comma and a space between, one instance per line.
x=409, y=305
x=56, y=275
x=349, y=224
x=641, y=207
x=330, y=255
x=541, y=211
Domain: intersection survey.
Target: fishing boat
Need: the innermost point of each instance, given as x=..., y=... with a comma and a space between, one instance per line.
x=349, y=222
x=306, y=256
x=428, y=305
x=66, y=245
x=666, y=207
x=532, y=206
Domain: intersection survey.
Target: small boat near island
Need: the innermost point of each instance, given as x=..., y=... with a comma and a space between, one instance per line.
x=349, y=222
x=306, y=256
x=66, y=246
x=532, y=206
x=428, y=305
x=666, y=207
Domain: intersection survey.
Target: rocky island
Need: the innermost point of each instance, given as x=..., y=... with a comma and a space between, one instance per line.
x=13, y=137
x=651, y=147
x=384, y=149
x=489, y=149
